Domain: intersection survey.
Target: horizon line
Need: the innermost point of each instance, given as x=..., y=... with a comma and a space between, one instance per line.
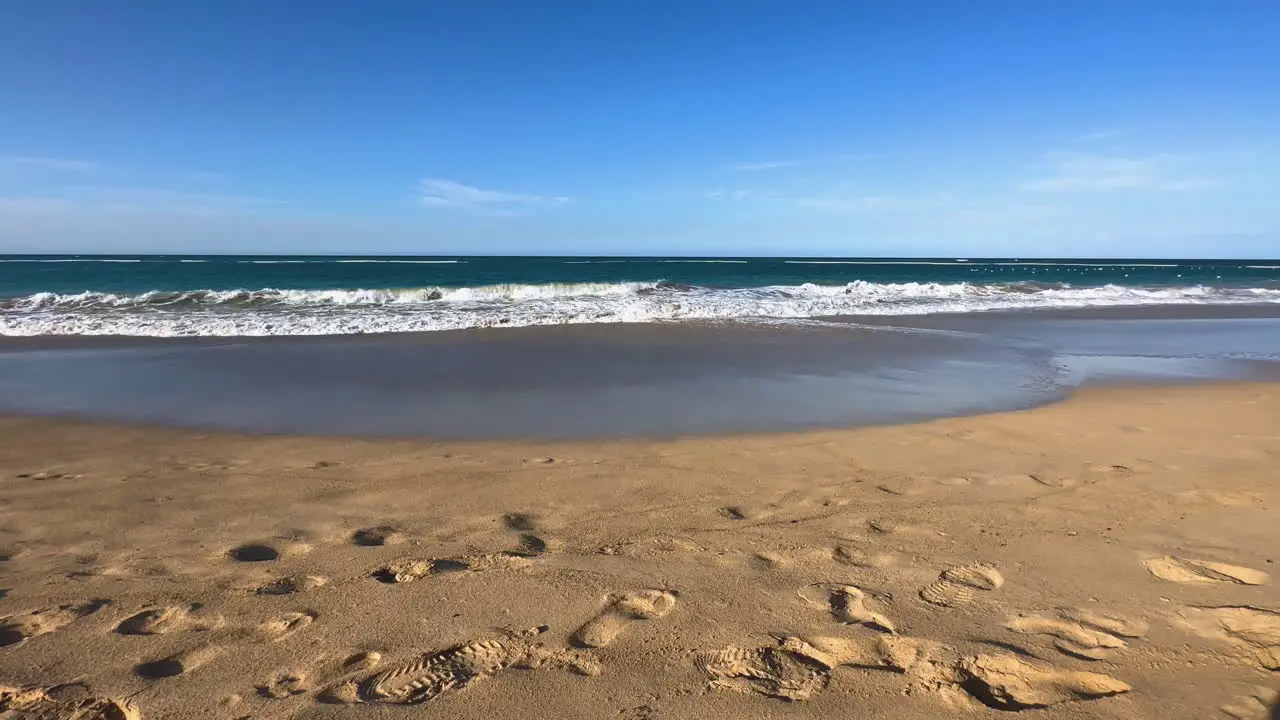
x=952, y=258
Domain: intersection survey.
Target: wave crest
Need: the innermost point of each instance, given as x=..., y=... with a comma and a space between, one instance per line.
x=328, y=312
x=301, y=298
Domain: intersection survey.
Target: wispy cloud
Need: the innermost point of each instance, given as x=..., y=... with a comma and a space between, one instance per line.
x=1102, y=173
x=31, y=205
x=107, y=200
x=758, y=166
x=48, y=163
x=132, y=199
x=59, y=186
x=449, y=193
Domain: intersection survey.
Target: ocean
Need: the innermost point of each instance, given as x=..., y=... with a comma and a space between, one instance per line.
x=566, y=347
x=236, y=296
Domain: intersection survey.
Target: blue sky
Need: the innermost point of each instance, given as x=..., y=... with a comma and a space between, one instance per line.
x=961, y=128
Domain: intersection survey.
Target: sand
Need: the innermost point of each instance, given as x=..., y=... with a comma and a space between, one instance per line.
x=1108, y=557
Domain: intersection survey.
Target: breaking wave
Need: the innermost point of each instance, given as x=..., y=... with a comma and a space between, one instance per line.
x=337, y=312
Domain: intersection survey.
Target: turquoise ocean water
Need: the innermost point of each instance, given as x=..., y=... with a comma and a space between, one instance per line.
x=267, y=295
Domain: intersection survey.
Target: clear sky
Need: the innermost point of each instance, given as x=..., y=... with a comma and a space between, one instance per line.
x=959, y=127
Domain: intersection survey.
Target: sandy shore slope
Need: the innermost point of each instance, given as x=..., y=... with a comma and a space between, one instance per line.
x=1109, y=557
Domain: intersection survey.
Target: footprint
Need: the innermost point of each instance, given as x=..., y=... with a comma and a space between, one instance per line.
x=1256, y=629
x=881, y=652
x=361, y=661
x=1008, y=683
x=621, y=612
x=437, y=673
x=846, y=555
x=798, y=668
x=156, y=621
x=767, y=562
x=1254, y=706
x=44, y=703
x=531, y=546
x=1186, y=570
x=347, y=691
x=180, y=664
x=281, y=627
x=1117, y=625
x=1070, y=637
x=955, y=586
x=253, y=553
x=169, y=618
x=284, y=685
x=406, y=571
x=293, y=584
x=411, y=569
x=639, y=712
x=848, y=605
x=1224, y=498
x=564, y=659
x=792, y=670
x=377, y=536
x=18, y=629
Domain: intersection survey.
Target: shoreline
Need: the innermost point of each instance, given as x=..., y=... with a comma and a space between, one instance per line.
x=647, y=380
x=922, y=320
x=1092, y=556
x=53, y=423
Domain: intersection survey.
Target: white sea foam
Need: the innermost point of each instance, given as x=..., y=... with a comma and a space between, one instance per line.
x=874, y=262
x=1098, y=265
x=1015, y=263
x=317, y=261
x=330, y=312
x=394, y=262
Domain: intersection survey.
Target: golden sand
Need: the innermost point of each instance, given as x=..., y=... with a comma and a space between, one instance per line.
x=1108, y=557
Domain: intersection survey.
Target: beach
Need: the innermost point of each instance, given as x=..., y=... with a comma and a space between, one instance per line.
x=646, y=488
x=1107, y=556
x=629, y=361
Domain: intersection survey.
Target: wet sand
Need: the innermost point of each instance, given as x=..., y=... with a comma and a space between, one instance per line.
x=651, y=380
x=1111, y=556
